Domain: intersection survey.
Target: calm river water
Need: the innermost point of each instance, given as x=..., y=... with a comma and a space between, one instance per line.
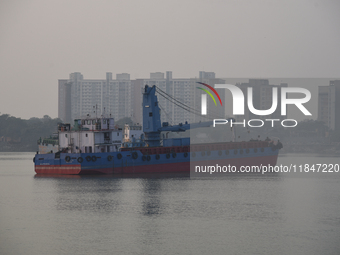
x=296, y=213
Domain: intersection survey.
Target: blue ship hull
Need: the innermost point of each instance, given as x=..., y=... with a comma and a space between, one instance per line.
x=157, y=160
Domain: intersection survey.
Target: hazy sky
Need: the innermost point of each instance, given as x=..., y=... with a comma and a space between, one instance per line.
x=43, y=41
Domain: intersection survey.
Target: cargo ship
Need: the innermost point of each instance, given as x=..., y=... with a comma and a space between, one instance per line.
x=97, y=146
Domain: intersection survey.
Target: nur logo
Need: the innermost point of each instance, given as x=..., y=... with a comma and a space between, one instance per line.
x=204, y=97
x=238, y=99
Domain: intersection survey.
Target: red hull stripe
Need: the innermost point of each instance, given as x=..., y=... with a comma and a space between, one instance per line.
x=58, y=169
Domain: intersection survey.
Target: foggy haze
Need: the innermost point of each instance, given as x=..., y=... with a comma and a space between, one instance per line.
x=43, y=41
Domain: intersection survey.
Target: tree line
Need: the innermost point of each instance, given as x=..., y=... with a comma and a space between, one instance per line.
x=18, y=134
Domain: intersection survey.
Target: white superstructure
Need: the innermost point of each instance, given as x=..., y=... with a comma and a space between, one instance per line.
x=95, y=135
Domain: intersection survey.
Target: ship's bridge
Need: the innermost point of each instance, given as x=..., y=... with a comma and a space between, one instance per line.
x=95, y=124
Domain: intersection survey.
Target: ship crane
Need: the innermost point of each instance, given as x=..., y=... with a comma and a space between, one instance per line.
x=152, y=127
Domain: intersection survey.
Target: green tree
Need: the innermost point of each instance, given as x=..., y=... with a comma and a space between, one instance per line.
x=25, y=133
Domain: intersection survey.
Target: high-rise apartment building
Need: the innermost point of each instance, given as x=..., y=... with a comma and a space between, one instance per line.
x=329, y=104
x=136, y=100
x=79, y=97
x=64, y=100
